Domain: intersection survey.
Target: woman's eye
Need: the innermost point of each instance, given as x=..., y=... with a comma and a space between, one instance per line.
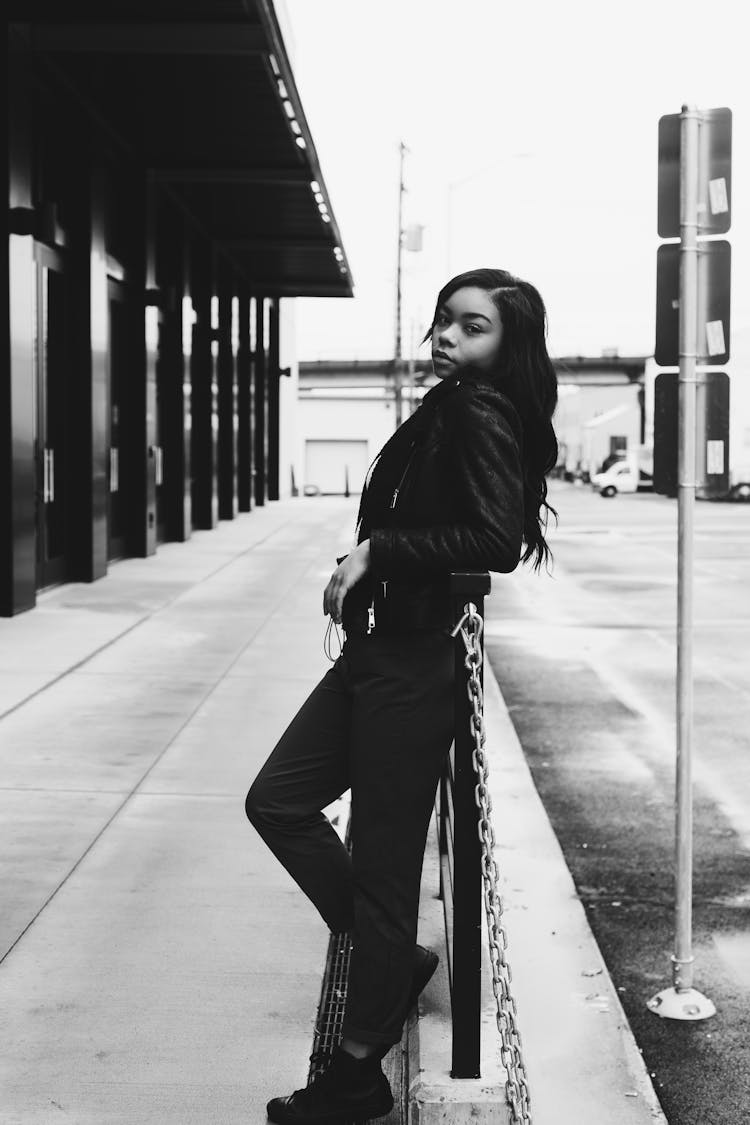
x=473, y=328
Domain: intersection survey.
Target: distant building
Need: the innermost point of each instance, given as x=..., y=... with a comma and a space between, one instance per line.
x=601, y=411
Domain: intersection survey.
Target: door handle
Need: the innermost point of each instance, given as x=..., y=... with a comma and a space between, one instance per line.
x=114, y=469
x=46, y=476
x=157, y=454
x=51, y=487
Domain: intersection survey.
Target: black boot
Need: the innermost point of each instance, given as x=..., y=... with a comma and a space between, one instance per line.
x=349, y=1090
x=425, y=963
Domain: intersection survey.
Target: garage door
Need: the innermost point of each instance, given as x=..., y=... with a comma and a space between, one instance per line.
x=328, y=464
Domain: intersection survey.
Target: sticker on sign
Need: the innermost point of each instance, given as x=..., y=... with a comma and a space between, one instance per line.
x=715, y=337
x=715, y=457
x=717, y=194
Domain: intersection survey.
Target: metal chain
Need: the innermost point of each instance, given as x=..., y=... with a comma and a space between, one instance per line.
x=471, y=627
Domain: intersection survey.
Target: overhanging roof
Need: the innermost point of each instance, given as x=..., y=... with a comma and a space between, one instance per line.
x=202, y=93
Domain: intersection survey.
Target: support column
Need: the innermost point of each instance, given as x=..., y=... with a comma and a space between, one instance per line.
x=261, y=403
x=245, y=496
x=205, y=500
x=227, y=380
x=17, y=428
x=273, y=400
x=150, y=301
x=89, y=377
x=173, y=384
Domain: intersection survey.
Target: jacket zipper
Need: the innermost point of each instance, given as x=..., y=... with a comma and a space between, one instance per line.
x=384, y=582
x=397, y=489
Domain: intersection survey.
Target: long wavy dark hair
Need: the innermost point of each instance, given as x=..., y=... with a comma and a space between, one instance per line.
x=525, y=375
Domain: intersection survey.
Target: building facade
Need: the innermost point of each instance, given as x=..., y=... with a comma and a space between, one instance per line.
x=166, y=205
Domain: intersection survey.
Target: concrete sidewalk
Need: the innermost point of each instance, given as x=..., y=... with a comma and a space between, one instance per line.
x=158, y=965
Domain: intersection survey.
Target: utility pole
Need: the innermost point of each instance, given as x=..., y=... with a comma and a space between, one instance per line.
x=412, y=365
x=397, y=386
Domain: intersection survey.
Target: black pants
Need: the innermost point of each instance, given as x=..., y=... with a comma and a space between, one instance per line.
x=381, y=722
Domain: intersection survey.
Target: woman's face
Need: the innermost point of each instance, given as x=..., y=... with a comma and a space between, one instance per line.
x=467, y=332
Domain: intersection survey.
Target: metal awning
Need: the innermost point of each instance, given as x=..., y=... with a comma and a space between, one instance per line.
x=202, y=94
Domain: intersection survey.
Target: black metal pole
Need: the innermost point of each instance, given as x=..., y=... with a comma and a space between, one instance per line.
x=467, y=871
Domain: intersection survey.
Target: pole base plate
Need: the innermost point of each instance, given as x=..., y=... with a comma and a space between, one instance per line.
x=681, y=1004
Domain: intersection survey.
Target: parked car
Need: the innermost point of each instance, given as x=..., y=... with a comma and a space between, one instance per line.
x=740, y=492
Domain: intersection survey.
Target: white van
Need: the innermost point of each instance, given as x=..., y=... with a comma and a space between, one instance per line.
x=623, y=476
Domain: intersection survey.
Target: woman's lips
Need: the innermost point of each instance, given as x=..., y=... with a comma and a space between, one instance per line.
x=442, y=356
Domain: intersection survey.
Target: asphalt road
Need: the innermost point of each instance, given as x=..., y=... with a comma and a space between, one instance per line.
x=586, y=662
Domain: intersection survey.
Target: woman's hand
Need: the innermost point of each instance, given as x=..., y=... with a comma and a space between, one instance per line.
x=355, y=565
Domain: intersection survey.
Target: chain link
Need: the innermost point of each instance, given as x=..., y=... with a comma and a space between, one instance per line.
x=471, y=627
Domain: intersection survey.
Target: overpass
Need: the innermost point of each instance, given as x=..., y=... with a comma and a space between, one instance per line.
x=347, y=374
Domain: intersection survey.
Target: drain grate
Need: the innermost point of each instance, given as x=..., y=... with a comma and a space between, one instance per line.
x=330, y=1022
x=330, y=1019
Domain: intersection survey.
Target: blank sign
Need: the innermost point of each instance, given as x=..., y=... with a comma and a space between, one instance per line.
x=714, y=178
x=714, y=457
x=714, y=277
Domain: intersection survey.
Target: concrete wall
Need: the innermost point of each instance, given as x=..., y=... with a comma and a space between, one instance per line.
x=353, y=415
x=587, y=446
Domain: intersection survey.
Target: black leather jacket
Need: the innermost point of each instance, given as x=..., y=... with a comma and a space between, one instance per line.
x=459, y=506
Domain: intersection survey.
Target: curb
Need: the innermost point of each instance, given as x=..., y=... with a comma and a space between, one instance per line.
x=582, y=1061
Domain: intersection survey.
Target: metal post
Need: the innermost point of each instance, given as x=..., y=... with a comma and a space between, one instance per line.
x=682, y=971
x=398, y=348
x=412, y=376
x=682, y=1001
x=466, y=960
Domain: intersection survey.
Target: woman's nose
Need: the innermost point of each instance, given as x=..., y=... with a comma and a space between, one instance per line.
x=445, y=335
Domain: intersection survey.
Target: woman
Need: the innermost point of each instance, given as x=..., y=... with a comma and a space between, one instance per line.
x=459, y=486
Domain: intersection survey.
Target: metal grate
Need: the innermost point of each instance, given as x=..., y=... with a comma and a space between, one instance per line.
x=329, y=1023
x=330, y=1019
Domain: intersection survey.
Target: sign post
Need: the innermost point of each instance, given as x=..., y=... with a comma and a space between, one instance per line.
x=682, y=1001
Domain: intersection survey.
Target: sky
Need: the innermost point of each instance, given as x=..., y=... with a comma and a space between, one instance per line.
x=532, y=135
